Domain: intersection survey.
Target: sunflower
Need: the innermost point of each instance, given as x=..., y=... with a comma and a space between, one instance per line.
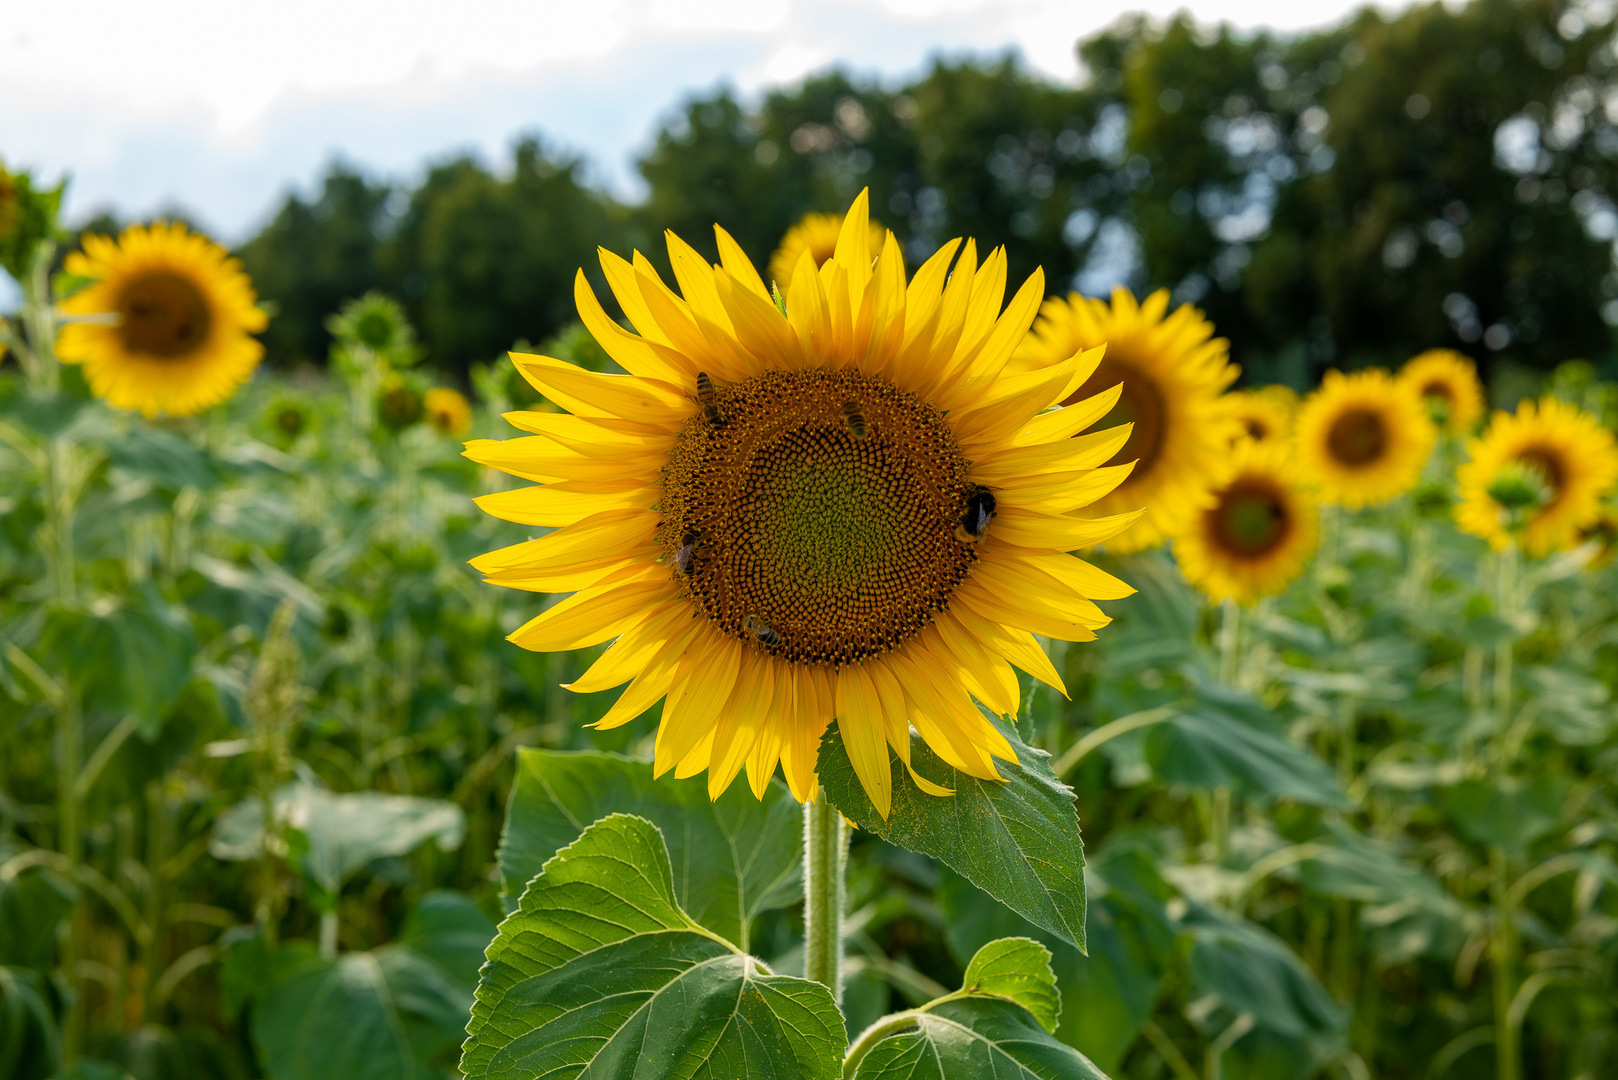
x=1172, y=371
x=816, y=234
x=1264, y=414
x=1448, y=383
x=843, y=511
x=1548, y=465
x=1260, y=532
x=1604, y=530
x=169, y=314
x=1362, y=438
x=447, y=410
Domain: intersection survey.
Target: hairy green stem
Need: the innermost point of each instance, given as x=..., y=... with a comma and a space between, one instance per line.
x=825, y=859
x=1230, y=628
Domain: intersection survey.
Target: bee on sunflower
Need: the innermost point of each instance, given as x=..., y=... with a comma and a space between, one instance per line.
x=1448, y=383
x=165, y=324
x=1168, y=371
x=1537, y=476
x=1362, y=439
x=1260, y=532
x=817, y=234
x=1264, y=413
x=841, y=511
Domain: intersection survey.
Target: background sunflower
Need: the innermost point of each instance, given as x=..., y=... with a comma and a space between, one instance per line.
x=1362, y=438
x=1168, y=371
x=171, y=317
x=1565, y=450
x=1448, y=383
x=817, y=234
x=1264, y=413
x=1260, y=532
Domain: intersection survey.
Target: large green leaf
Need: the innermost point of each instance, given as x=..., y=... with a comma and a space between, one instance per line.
x=396, y=1012
x=1252, y=972
x=733, y=857
x=1108, y=994
x=1510, y=812
x=32, y=903
x=343, y=832
x=163, y=458
x=1227, y=739
x=1017, y=840
x=600, y=974
x=30, y=1046
x=996, y=1027
x=131, y=656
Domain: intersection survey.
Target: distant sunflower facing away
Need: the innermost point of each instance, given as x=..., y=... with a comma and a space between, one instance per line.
x=1362, y=438
x=817, y=234
x=171, y=318
x=1448, y=383
x=1540, y=474
x=842, y=512
x=1172, y=371
x=1260, y=532
x=1263, y=413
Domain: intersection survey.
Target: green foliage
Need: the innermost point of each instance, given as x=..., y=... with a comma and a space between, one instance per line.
x=599, y=970
x=1017, y=839
x=733, y=857
x=997, y=1025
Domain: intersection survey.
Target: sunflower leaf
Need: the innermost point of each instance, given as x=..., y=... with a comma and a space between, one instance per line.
x=600, y=970
x=733, y=857
x=1018, y=840
x=996, y=1027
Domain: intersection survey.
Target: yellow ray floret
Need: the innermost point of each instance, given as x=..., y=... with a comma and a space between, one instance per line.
x=1563, y=452
x=1448, y=383
x=1171, y=370
x=817, y=234
x=1363, y=438
x=848, y=511
x=1260, y=532
x=1263, y=414
x=166, y=323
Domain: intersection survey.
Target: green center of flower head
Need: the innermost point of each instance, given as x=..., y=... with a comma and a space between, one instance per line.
x=163, y=315
x=1526, y=483
x=1250, y=518
x=816, y=514
x=1358, y=437
x=1439, y=400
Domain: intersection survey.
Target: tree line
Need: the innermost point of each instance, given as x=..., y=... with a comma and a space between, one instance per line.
x=1444, y=177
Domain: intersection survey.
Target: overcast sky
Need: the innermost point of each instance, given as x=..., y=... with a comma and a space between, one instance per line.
x=219, y=108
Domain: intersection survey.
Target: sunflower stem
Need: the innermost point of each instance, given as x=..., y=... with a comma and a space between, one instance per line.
x=825, y=860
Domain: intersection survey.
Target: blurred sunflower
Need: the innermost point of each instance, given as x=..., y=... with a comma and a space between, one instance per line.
x=1448, y=383
x=842, y=512
x=1362, y=438
x=1603, y=530
x=817, y=234
x=175, y=314
x=447, y=410
x=1264, y=413
x=1260, y=532
x=1171, y=370
x=1538, y=476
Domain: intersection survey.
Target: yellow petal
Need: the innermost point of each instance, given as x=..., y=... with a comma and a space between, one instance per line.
x=592, y=616
x=859, y=720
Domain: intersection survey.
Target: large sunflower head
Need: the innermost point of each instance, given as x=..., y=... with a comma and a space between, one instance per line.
x=1169, y=371
x=1260, y=532
x=1537, y=476
x=839, y=511
x=1447, y=383
x=168, y=319
x=1362, y=438
x=817, y=234
x=1263, y=414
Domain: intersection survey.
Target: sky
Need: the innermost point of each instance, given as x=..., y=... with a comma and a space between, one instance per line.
x=220, y=108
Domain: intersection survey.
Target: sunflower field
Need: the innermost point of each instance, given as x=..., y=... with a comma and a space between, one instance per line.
x=902, y=668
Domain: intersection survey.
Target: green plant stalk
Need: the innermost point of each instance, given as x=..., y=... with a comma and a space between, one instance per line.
x=825, y=861
x=1230, y=629
x=40, y=318
x=1506, y=598
x=157, y=854
x=1503, y=962
x=70, y=838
